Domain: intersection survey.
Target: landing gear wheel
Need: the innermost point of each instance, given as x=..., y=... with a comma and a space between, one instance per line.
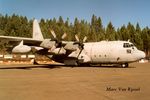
x=34, y=62
x=124, y=65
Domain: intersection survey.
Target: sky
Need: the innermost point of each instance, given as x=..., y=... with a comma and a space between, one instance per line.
x=119, y=12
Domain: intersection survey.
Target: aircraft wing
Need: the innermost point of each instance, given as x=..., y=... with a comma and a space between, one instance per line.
x=36, y=39
x=16, y=40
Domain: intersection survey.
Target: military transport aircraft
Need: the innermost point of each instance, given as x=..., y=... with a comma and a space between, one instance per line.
x=78, y=52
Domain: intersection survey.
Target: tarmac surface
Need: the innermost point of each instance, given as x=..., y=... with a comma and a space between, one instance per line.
x=77, y=83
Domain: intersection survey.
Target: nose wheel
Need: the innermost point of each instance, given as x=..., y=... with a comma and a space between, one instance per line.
x=125, y=65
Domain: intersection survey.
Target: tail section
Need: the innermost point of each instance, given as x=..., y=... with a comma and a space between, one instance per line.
x=37, y=34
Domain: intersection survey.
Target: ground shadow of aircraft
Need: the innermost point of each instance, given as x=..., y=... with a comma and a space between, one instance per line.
x=52, y=66
x=28, y=67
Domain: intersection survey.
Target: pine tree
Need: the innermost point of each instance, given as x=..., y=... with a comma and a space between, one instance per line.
x=146, y=39
x=137, y=37
x=124, y=33
x=110, y=32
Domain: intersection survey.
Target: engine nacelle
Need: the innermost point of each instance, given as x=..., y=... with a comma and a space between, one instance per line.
x=58, y=51
x=21, y=49
x=71, y=47
x=47, y=43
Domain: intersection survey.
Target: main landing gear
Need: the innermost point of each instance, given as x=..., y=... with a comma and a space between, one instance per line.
x=125, y=65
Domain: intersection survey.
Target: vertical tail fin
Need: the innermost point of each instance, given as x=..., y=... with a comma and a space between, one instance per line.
x=37, y=34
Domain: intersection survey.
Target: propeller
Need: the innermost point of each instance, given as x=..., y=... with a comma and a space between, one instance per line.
x=58, y=42
x=77, y=38
x=53, y=33
x=53, y=43
x=80, y=43
x=84, y=39
x=80, y=47
x=55, y=37
x=64, y=36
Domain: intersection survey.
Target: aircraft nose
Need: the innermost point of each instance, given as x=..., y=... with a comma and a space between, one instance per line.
x=142, y=54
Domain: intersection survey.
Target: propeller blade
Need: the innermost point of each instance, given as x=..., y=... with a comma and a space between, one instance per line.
x=64, y=36
x=52, y=48
x=77, y=38
x=53, y=33
x=85, y=38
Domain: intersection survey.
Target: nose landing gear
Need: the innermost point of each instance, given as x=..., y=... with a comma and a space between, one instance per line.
x=125, y=65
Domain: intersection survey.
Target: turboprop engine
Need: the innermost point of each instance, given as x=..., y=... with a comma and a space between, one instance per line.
x=21, y=48
x=54, y=45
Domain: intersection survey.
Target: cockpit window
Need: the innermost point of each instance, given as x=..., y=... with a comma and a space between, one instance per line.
x=127, y=45
x=131, y=45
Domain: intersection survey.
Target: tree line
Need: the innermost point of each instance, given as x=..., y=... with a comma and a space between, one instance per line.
x=21, y=26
